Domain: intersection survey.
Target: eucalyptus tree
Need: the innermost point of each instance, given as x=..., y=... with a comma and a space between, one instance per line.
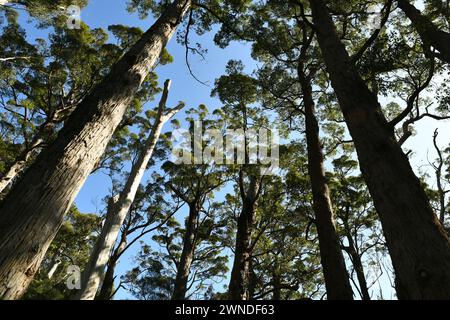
x=64, y=165
x=119, y=207
x=420, y=249
x=285, y=261
x=286, y=77
x=238, y=92
x=193, y=182
x=150, y=211
x=155, y=275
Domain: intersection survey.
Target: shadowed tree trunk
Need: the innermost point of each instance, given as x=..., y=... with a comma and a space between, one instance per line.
x=359, y=269
x=337, y=282
x=355, y=257
x=117, y=212
x=33, y=211
x=240, y=274
x=418, y=245
x=429, y=33
x=187, y=254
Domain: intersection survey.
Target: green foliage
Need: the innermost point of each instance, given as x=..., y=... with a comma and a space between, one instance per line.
x=71, y=247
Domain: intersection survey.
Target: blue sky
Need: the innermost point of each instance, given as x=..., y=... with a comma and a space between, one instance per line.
x=102, y=13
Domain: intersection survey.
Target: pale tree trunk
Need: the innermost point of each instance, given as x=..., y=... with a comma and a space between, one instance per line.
x=336, y=278
x=20, y=164
x=22, y=161
x=53, y=269
x=429, y=33
x=117, y=212
x=107, y=288
x=239, y=287
x=34, y=209
x=187, y=254
x=418, y=245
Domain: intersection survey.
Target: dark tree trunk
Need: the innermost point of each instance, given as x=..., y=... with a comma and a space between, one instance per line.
x=337, y=281
x=239, y=287
x=429, y=33
x=187, y=255
x=418, y=245
x=33, y=211
x=359, y=269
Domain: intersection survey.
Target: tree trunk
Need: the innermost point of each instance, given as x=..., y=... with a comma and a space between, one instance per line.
x=19, y=165
x=359, y=269
x=187, y=254
x=429, y=33
x=34, y=209
x=117, y=212
x=337, y=281
x=53, y=268
x=418, y=245
x=107, y=288
x=240, y=275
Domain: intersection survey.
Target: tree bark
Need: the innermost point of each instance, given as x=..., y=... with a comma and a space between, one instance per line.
x=239, y=287
x=337, y=281
x=429, y=33
x=33, y=211
x=187, y=254
x=418, y=245
x=117, y=212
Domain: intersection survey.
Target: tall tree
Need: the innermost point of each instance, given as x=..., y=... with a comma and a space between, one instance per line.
x=34, y=209
x=118, y=209
x=418, y=245
x=194, y=184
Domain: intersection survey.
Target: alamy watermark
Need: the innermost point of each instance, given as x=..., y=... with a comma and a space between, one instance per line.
x=73, y=17
x=73, y=281
x=234, y=146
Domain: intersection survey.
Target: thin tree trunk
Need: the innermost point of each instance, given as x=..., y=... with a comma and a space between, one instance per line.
x=438, y=173
x=429, y=33
x=352, y=251
x=117, y=212
x=107, y=288
x=359, y=269
x=187, y=254
x=33, y=211
x=337, y=281
x=53, y=269
x=19, y=165
x=22, y=161
x=239, y=287
x=418, y=245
